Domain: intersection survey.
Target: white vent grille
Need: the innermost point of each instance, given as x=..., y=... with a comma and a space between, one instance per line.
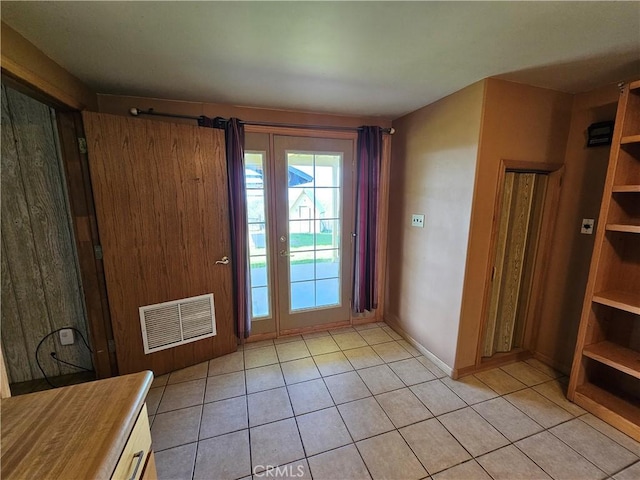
x=170, y=324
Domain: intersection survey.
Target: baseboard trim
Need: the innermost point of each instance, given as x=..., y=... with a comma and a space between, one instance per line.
x=393, y=322
x=491, y=363
x=566, y=369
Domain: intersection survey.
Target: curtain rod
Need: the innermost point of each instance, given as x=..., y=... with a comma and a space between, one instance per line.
x=137, y=112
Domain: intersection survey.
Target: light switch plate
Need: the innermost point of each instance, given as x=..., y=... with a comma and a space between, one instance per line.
x=417, y=220
x=587, y=226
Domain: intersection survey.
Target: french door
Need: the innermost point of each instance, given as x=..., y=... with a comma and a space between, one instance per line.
x=300, y=214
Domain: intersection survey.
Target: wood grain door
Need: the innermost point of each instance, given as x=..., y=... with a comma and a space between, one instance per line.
x=162, y=207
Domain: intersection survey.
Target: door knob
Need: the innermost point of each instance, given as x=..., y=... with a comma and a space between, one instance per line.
x=223, y=261
x=284, y=253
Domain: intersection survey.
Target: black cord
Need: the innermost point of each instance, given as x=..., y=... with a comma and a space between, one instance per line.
x=53, y=354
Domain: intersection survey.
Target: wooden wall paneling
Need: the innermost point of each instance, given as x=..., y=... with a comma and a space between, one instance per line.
x=13, y=343
x=50, y=224
x=161, y=200
x=82, y=209
x=21, y=253
x=499, y=262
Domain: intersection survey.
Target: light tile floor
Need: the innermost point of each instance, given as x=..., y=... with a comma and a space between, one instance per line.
x=359, y=403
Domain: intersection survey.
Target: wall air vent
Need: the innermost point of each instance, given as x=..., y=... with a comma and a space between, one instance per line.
x=169, y=324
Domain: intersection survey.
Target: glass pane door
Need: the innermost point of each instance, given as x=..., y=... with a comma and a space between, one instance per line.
x=314, y=223
x=257, y=230
x=314, y=212
x=259, y=225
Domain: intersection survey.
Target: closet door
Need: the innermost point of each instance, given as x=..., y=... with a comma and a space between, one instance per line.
x=516, y=250
x=162, y=207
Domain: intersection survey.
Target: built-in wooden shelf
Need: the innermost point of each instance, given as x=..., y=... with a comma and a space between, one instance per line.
x=626, y=189
x=627, y=301
x=610, y=407
x=629, y=139
x=606, y=376
x=616, y=356
x=617, y=227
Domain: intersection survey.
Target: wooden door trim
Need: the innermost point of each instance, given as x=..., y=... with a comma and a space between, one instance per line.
x=303, y=132
x=555, y=171
x=80, y=193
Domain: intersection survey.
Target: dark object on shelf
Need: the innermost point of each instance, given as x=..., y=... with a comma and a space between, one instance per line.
x=600, y=133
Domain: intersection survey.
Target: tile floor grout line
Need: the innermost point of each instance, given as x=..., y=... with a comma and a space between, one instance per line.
x=637, y=462
x=572, y=448
x=524, y=387
x=578, y=417
x=610, y=438
x=279, y=363
x=397, y=428
x=388, y=391
x=246, y=390
x=532, y=460
x=345, y=423
x=547, y=430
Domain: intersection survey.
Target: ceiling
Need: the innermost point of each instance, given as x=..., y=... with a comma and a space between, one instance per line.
x=357, y=58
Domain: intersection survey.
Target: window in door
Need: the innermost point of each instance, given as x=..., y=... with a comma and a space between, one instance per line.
x=314, y=237
x=257, y=232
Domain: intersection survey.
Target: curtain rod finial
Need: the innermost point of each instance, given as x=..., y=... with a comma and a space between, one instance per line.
x=134, y=111
x=392, y=131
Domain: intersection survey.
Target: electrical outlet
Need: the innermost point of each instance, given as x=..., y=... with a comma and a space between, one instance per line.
x=587, y=226
x=417, y=220
x=66, y=336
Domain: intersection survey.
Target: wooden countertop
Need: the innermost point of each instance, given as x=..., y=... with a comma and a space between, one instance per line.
x=71, y=432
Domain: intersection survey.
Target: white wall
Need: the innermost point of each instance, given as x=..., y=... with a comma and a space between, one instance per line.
x=433, y=166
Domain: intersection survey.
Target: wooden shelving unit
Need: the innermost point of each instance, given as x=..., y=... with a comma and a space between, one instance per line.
x=618, y=299
x=626, y=189
x=630, y=139
x=612, y=354
x=605, y=378
x=617, y=227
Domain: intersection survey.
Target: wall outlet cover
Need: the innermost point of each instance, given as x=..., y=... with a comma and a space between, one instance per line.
x=66, y=336
x=417, y=220
x=587, y=226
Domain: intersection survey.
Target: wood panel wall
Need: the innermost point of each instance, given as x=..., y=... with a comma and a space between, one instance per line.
x=41, y=290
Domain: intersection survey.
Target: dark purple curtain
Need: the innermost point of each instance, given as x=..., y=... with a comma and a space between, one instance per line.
x=365, y=292
x=234, y=140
